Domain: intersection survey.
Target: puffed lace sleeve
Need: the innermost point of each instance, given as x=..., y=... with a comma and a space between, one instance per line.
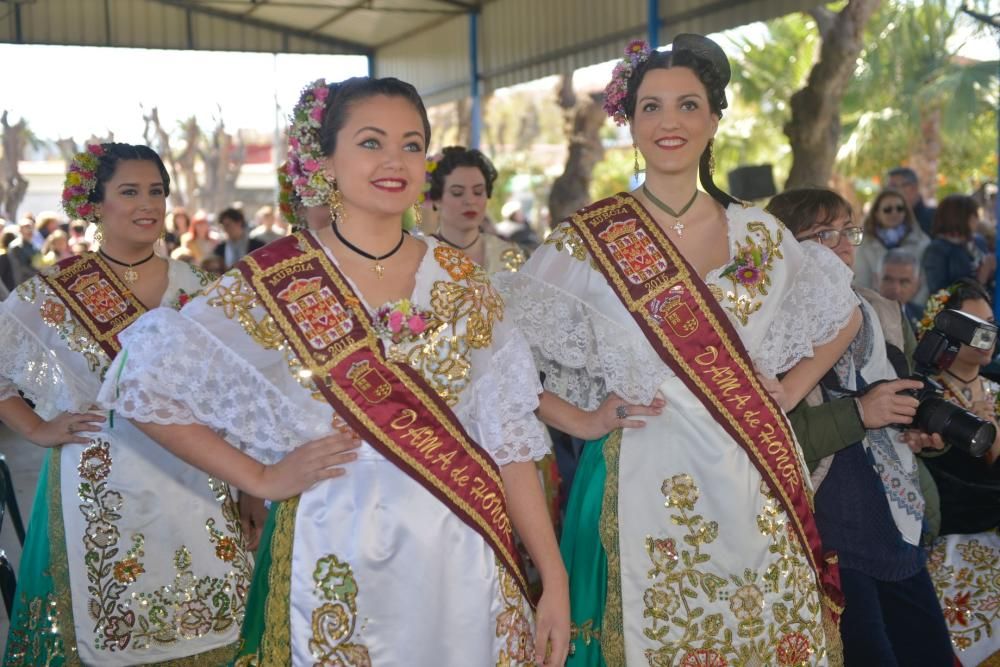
x=215, y=362
x=34, y=357
x=584, y=341
x=817, y=304
x=498, y=408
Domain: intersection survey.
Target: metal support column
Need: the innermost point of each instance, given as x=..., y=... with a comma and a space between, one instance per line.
x=476, y=110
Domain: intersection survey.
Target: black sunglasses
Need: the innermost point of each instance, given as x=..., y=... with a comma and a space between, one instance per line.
x=898, y=208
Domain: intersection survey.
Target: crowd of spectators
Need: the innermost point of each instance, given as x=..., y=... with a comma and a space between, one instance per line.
x=212, y=242
x=911, y=249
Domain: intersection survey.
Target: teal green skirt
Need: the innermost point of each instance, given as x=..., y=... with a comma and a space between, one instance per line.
x=585, y=558
x=41, y=627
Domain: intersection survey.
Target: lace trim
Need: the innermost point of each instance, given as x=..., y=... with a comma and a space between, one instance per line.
x=29, y=365
x=215, y=386
x=502, y=402
x=583, y=354
x=819, y=304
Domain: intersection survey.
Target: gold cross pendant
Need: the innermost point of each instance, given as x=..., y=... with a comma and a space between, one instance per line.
x=378, y=269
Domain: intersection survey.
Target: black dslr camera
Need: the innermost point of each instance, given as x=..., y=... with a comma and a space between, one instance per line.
x=934, y=354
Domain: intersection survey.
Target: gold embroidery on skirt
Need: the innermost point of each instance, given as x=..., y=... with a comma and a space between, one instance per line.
x=792, y=636
x=335, y=621
x=513, y=624
x=613, y=627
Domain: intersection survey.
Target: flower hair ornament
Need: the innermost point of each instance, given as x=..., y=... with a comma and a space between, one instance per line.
x=430, y=166
x=935, y=304
x=81, y=179
x=305, y=157
x=636, y=53
x=288, y=199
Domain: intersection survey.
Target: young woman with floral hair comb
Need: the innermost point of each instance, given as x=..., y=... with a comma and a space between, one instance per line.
x=691, y=541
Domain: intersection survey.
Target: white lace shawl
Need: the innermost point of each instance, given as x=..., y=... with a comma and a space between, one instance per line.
x=587, y=344
x=58, y=366
x=225, y=379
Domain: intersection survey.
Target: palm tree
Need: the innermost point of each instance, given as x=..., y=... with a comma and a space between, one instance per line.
x=912, y=95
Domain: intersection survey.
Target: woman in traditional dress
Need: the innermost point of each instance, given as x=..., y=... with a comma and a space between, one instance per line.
x=461, y=183
x=691, y=541
x=132, y=556
x=965, y=560
x=402, y=553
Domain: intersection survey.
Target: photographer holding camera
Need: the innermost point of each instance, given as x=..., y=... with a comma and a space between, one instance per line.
x=970, y=491
x=869, y=502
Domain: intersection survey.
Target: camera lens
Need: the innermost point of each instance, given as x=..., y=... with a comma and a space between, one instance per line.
x=957, y=427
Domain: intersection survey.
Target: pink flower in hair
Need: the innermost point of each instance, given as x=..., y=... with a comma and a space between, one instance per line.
x=95, y=149
x=321, y=92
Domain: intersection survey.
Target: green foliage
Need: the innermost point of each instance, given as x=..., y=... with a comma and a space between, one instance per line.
x=907, y=75
x=613, y=174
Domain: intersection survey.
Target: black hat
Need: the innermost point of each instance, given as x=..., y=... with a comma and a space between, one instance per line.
x=706, y=49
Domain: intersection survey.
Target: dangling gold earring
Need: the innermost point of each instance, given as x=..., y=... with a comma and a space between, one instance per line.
x=418, y=216
x=635, y=160
x=99, y=234
x=336, y=202
x=711, y=157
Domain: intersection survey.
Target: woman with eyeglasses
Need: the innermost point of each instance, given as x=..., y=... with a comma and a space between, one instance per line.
x=954, y=253
x=869, y=500
x=889, y=225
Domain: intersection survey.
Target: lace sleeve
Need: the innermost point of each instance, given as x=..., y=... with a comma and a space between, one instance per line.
x=28, y=365
x=818, y=305
x=583, y=352
x=501, y=403
x=205, y=382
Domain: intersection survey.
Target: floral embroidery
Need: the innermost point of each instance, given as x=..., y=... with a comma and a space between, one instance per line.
x=749, y=272
x=513, y=625
x=181, y=299
x=566, y=237
x=967, y=582
x=127, y=571
x=189, y=607
x=442, y=352
x=585, y=632
x=36, y=638
x=27, y=291
x=334, y=622
x=52, y=312
x=513, y=259
x=789, y=633
x=238, y=301
x=455, y=262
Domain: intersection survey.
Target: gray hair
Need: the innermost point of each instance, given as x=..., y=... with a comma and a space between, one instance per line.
x=902, y=257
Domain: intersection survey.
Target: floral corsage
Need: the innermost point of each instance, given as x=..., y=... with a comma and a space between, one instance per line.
x=748, y=268
x=402, y=321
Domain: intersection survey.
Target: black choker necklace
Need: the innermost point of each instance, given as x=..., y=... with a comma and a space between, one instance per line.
x=961, y=379
x=130, y=275
x=678, y=226
x=378, y=268
x=440, y=237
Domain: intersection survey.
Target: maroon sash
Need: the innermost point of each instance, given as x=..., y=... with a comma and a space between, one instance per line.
x=95, y=296
x=388, y=404
x=691, y=333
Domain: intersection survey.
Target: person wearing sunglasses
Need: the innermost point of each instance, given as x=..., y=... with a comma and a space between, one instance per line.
x=872, y=498
x=889, y=225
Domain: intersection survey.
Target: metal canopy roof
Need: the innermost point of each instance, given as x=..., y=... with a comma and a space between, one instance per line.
x=426, y=42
